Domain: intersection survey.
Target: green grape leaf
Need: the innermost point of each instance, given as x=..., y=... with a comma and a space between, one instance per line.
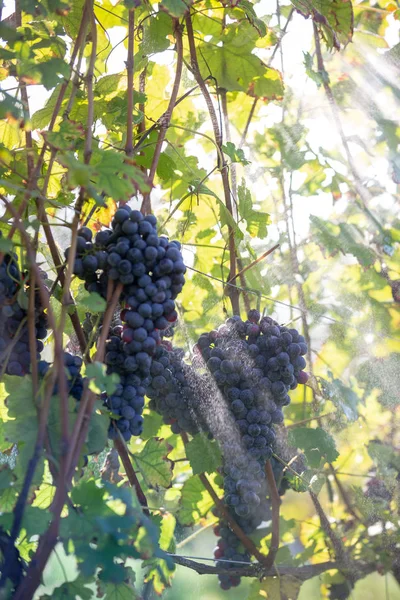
x=152, y=424
x=98, y=431
x=73, y=590
x=195, y=501
x=334, y=18
x=341, y=395
x=34, y=522
x=318, y=445
x=166, y=166
x=268, y=86
x=258, y=24
x=8, y=489
x=120, y=591
x=154, y=464
x=176, y=8
x=159, y=571
x=52, y=71
x=115, y=177
x=341, y=238
x=231, y=63
x=286, y=586
x=21, y=428
x=93, y=302
x=319, y=77
x=100, y=380
x=384, y=455
x=256, y=220
x=381, y=374
x=67, y=136
x=155, y=33
x=204, y=455
x=235, y=154
x=107, y=84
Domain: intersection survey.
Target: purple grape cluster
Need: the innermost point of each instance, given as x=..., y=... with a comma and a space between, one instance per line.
x=228, y=548
x=175, y=390
x=75, y=381
x=127, y=400
x=254, y=364
x=15, y=355
x=151, y=270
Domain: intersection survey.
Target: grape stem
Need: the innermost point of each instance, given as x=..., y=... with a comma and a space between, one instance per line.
x=234, y=292
x=146, y=204
x=275, y=504
x=130, y=86
x=340, y=553
x=130, y=472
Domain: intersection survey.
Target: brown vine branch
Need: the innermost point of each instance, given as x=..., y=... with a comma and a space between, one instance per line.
x=344, y=494
x=255, y=262
x=147, y=132
x=275, y=504
x=234, y=293
x=146, y=204
x=258, y=571
x=130, y=85
x=233, y=174
x=130, y=472
x=340, y=552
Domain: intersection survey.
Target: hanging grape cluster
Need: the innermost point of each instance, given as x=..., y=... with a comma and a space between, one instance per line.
x=15, y=354
x=151, y=271
x=249, y=368
x=75, y=381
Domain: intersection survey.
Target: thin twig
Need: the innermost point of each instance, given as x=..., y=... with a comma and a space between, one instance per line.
x=253, y=106
x=344, y=494
x=130, y=86
x=234, y=295
x=275, y=504
x=361, y=190
x=255, y=262
x=146, y=204
x=130, y=472
x=233, y=174
x=258, y=571
x=340, y=552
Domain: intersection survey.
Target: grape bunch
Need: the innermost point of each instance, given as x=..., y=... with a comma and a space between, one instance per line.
x=151, y=271
x=254, y=364
x=228, y=548
x=10, y=278
x=75, y=381
x=15, y=355
x=149, y=266
x=175, y=390
x=127, y=400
